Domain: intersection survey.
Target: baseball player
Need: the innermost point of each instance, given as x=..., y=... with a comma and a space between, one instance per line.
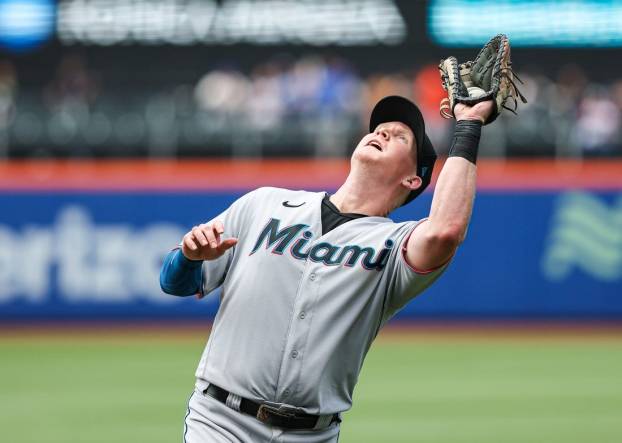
x=308, y=279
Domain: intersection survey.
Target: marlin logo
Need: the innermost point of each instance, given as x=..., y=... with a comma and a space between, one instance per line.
x=330, y=255
x=586, y=234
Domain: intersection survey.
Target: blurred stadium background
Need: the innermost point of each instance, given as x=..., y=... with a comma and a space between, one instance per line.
x=125, y=122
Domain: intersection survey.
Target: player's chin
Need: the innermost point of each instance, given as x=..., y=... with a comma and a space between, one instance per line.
x=367, y=154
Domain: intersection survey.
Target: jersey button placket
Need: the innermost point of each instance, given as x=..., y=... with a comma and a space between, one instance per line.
x=298, y=333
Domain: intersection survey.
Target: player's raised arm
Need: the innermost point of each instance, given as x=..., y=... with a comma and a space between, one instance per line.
x=434, y=241
x=477, y=92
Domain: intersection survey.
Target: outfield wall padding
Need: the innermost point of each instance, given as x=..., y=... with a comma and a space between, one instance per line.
x=85, y=239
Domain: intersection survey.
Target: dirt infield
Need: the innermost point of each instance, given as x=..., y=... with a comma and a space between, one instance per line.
x=411, y=331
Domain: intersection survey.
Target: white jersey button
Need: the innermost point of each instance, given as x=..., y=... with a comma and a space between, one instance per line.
x=286, y=392
x=312, y=277
x=302, y=315
x=294, y=354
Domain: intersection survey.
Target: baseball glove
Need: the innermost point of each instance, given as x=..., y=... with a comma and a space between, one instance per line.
x=488, y=77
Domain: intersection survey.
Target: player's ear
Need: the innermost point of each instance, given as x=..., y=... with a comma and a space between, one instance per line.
x=412, y=182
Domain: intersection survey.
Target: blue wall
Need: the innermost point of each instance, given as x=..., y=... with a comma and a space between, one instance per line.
x=527, y=255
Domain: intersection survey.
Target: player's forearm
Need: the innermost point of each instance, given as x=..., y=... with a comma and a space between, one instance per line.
x=436, y=241
x=180, y=276
x=452, y=203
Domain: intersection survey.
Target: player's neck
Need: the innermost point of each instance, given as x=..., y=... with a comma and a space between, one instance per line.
x=353, y=197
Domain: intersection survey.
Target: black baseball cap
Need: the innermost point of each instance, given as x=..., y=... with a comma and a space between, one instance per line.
x=399, y=109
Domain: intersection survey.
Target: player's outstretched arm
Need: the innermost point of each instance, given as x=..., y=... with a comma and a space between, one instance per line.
x=435, y=241
x=181, y=270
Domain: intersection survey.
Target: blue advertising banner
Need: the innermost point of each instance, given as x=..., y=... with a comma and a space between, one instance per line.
x=553, y=254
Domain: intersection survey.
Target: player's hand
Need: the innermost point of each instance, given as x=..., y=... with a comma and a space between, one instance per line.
x=480, y=111
x=203, y=242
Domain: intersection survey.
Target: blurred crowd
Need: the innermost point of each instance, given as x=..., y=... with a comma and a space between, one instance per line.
x=308, y=106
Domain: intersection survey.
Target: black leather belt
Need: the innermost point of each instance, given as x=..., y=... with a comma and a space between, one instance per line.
x=279, y=416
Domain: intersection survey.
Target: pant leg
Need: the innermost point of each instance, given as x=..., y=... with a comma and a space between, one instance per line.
x=327, y=435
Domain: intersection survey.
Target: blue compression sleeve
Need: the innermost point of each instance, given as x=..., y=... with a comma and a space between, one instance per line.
x=179, y=275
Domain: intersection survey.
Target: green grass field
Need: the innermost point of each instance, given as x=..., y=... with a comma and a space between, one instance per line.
x=132, y=387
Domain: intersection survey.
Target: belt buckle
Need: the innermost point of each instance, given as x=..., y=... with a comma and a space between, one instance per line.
x=266, y=411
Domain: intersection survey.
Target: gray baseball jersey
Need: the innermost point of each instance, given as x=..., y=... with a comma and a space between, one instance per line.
x=299, y=309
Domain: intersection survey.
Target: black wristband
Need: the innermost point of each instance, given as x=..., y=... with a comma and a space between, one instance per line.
x=466, y=140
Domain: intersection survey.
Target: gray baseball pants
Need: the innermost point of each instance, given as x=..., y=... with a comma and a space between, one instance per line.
x=210, y=421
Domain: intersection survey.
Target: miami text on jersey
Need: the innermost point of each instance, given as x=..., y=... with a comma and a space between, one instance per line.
x=324, y=252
